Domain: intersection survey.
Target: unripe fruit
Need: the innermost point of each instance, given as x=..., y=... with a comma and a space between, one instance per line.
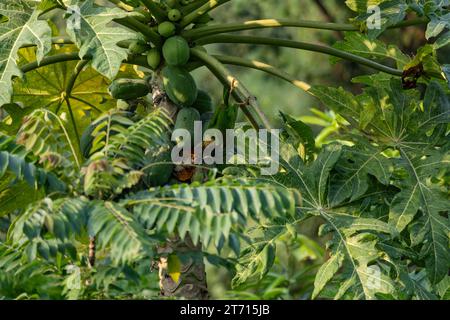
x=128, y=89
x=186, y=118
x=176, y=51
x=174, y=15
x=203, y=103
x=166, y=29
x=138, y=47
x=179, y=85
x=158, y=174
x=154, y=58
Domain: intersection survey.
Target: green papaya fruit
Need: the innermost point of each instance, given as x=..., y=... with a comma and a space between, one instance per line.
x=206, y=118
x=176, y=51
x=166, y=29
x=138, y=47
x=186, y=118
x=158, y=166
x=154, y=58
x=174, y=15
x=203, y=103
x=129, y=89
x=179, y=85
x=224, y=118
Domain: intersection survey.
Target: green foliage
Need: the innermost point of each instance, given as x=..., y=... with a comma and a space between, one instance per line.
x=21, y=28
x=382, y=200
x=213, y=212
x=13, y=159
x=98, y=40
x=87, y=184
x=393, y=12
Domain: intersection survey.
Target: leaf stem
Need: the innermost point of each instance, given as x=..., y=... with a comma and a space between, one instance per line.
x=208, y=6
x=73, y=78
x=62, y=57
x=138, y=26
x=66, y=134
x=194, y=34
x=299, y=45
x=258, y=65
x=122, y=5
x=242, y=96
x=73, y=56
x=185, y=10
x=72, y=119
x=86, y=103
x=155, y=10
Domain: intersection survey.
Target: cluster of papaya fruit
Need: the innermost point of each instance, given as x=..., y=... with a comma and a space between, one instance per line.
x=170, y=61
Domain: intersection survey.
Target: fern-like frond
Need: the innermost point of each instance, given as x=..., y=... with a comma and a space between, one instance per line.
x=216, y=211
x=44, y=134
x=15, y=159
x=96, y=137
x=104, y=178
x=117, y=230
x=131, y=144
x=50, y=226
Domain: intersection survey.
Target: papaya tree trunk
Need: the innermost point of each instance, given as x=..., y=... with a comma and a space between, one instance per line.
x=182, y=270
x=181, y=266
x=91, y=255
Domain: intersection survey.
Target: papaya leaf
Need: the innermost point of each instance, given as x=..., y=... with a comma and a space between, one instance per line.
x=413, y=158
x=361, y=45
x=97, y=39
x=22, y=28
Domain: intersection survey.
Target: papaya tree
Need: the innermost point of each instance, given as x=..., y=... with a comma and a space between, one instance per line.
x=89, y=111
